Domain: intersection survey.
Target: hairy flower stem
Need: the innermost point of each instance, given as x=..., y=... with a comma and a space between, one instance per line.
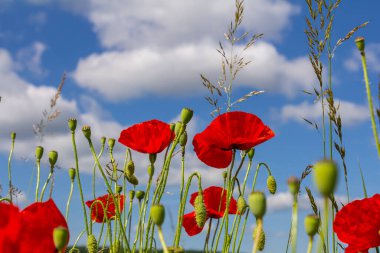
x=205, y=247
x=79, y=182
x=9, y=166
x=138, y=228
x=162, y=240
x=259, y=223
x=326, y=224
x=294, y=223
x=46, y=184
x=94, y=171
x=310, y=245
x=144, y=210
x=69, y=199
x=370, y=105
x=38, y=162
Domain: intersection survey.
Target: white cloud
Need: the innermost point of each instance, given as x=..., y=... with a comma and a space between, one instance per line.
x=351, y=113
x=30, y=58
x=372, y=56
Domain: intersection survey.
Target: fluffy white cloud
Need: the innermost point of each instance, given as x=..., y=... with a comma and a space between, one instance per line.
x=351, y=113
x=372, y=55
x=29, y=58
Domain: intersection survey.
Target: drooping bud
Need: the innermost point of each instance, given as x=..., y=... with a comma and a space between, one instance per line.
x=60, y=238
x=294, y=185
x=72, y=174
x=177, y=128
x=186, y=115
x=257, y=204
x=13, y=136
x=72, y=123
x=130, y=170
x=152, y=158
x=360, y=44
x=157, y=213
x=131, y=195
x=132, y=179
x=92, y=245
x=200, y=211
x=87, y=132
x=271, y=184
x=111, y=143
x=151, y=170
x=140, y=195
x=103, y=140
x=119, y=188
x=39, y=152
x=261, y=239
x=241, y=205
x=183, y=139
x=325, y=176
x=53, y=156
x=311, y=224
x=251, y=153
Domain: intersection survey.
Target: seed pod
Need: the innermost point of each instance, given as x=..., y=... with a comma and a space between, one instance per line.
x=39, y=152
x=251, y=153
x=151, y=170
x=183, y=139
x=140, y=195
x=271, y=184
x=72, y=174
x=87, y=132
x=157, y=213
x=130, y=170
x=294, y=185
x=325, y=177
x=360, y=44
x=60, y=237
x=257, y=204
x=311, y=224
x=177, y=128
x=241, y=205
x=92, y=245
x=131, y=195
x=186, y=115
x=261, y=241
x=132, y=179
x=103, y=140
x=200, y=211
x=111, y=143
x=53, y=156
x=72, y=123
x=152, y=158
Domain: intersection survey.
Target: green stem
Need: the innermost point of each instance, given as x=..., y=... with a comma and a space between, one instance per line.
x=46, y=184
x=94, y=170
x=310, y=245
x=38, y=179
x=162, y=240
x=258, y=232
x=294, y=224
x=205, y=247
x=9, y=166
x=69, y=199
x=326, y=225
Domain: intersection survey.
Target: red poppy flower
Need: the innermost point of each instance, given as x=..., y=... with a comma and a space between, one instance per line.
x=215, y=201
x=358, y=224
x=10, y=228
x=147, y=137
x=97, y=212
x=231, y=130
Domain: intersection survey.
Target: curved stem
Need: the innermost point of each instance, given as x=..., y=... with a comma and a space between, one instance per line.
x=69, y=199
x=94, y=171
x=38, y=162
x=46, y=184
x=9, y=167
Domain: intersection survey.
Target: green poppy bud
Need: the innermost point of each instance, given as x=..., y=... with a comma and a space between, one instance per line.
x=92, y=245
x=360, y=44
x=224, y=174
x=13, y=136
x=251, y=153
x=53, y=156
x=140, y=195
x=179, y=250
x=157, y=213
x=60, y=238
x=325, y=176
x=132, y=179
x=151, y=170
x=294, y=185
x=177, y=128
x=130, y=168
x=311, y=224
x=103, y=140
x=119, y=188
x=72, y=123
x=257, y=204
x=72, y=174
x=271, y=184
x=200, y=210
x=131, y=195
x=186, y=115
x=87, y=132
x=152, y=158
x=241, y=205
x=183, y=139
x=261, y=239
x=111, y=143
x=39, y=152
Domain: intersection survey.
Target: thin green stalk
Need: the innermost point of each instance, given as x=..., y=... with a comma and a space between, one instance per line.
x=242, y=233
x=326, y=225
x=94, y=172
x=370, y=105
x=69, y=200
x=162, y=240
x=13, y=136
x=38, y=162
x=144, y=208
x=46, y=184
x=77, y=240
x=294, y=224
x=205, y=247
x=310, y=245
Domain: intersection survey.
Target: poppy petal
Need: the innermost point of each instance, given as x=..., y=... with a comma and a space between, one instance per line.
x=97, y=212
x=10, y=228
x=190, y=224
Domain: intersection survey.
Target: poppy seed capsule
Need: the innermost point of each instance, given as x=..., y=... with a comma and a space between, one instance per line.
x=177, y=128
x=72, y=123
x=119, y=188
x=200, y=211
x=360, y=44
x=111, y=143
x=132, y=179
x=183, y=139
x=72, y=174
x=130, y=168
x=39, y=152
x=13, y=136
x=60, y=237
x=251, y=153
x=140, y=195
x=53, y=156
x=186, y=115
x=92, y=245
x=172, y=126
x=257, y=204
x=241, y=205
x=151, y=170
x=87, y=132
x=311, y=224
x=103, y=140
x=131, y=195
x=271, y=184
x=294, y=185
x=325, y=176
x=152, y=158
x=261, y=239
x=157, y=213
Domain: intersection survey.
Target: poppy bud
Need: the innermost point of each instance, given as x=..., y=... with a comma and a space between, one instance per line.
x=325, y=176
x=131, y=195
x=92, y=245
x=72, y=123
x=257, y=204
x=152, y=158
x=53, y=156
x=241, y=205
x=103, y=140
x=360, y=44
x=13, y=136
x=130, y=168
x=261, y=239
x=186, y=115
x=294, y=185
x=72, y=174
x=151, y=170
x=311, y=224
x=87, y=132
x=251, y=153
x=179, y=250
x=119, y=188
x=60, y=238
x=132, y=179
x=177, y=128
x=224, y=174
x=111, y=143
x=271, y=184
x=200, y=210
x=39, y=152
x=157, y=213
x=140, y=195
x=183, y=139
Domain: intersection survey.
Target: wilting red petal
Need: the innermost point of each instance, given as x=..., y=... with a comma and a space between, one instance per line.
x=190, y=224
x=10, y=228
x=358, y=224
x=147, y=137
x=231, y=130
x=97, y=212
x=39, y=220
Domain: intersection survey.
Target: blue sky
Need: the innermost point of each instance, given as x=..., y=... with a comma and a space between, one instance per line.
x=131, y=61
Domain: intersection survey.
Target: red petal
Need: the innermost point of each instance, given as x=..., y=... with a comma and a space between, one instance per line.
x=97, y=212
x=190, y=224
x=147, y=137
x=10, y=228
